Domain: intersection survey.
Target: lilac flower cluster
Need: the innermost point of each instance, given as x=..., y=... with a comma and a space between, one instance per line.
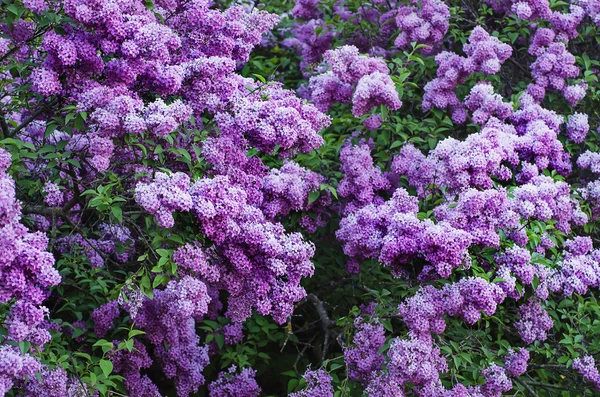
x=426, y=25
x=365, y=359
x=462, y=164
x=424, y=312
x=586, y=366
x=287, y=189
x=578, y=270
x=577, y=127
x=534, y=322
x=26, y=269
x=524, y=9
x=362, y=80
x=544, y=199
x=318, y=384
x=104, y=316
x=256, y=253
x=169, y=323
x=553, y=66
x=516, y=362
x=232, y=384
x=129, y=364
x=484, y=103
x=485, y=54
x=15, y=367
x=164, y=195
x=361, y=179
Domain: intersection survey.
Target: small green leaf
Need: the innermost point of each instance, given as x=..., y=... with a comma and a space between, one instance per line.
x=106, y=366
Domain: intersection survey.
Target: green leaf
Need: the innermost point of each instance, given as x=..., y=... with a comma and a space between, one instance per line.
x=106, y=366
x=313, y=196
x=117, y=213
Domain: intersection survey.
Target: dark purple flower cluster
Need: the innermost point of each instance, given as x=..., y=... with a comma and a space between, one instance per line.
x=233, y=384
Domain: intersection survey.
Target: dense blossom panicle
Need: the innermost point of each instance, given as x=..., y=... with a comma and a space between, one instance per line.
x=544, y=199
x=578, y=270
x=462, y=164
x=373, y=90
x=362, y=179
x=481, y=213
x=26, y=322
x=15, y=367
x=516, y=362
x=350, y=66
x=233, y=384
x=193, y=260
x=54, y=383
x=128, y=364
x=426, y=25
x=103, y=317
x=424, y=312
x=586, y=367
x=272, y=116
x=534, y=322
x=287, y=189
x=487, y=52
x=496, y=381
x=553, y=66
x=54, y=197
x=589, y=160
x=577, y=127
x=484, y=103
x=169, y=320
x=565, y=24
x=164, y=195
x=318, y=384
x=257, y=253
x=26, y=269
x=365, y=359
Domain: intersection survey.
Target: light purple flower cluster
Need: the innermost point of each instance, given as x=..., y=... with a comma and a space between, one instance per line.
x=54, y=197
x=362, y=179
x=424, y=312
x=553, y=66
x=318, y=384
x=524, y=9
x=353, y=77
x=25, y=321
x=426, y=25
x=192, y=260
x=516, y=362
x=26, y=269
x=534, y=322
x=169, y=323
x=578, y=127
x=271, y=116
x=586, y=366
x=481, y=213
x=485, y=54
x=164, y=195
x=544, y=199
x=287, y=189
x=484, y=103
x=15, y=366
x=365, y=359
x=579, y=269
x=462, y=164
x=233, y=384
x=263, y=265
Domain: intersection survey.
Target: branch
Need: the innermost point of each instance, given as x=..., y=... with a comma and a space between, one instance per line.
x=326, y=322
x=35, y=114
